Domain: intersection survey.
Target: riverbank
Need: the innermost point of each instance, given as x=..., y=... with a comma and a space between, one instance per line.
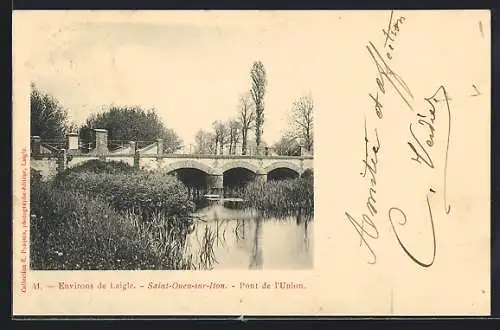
x=102, y=220
x=110, y=216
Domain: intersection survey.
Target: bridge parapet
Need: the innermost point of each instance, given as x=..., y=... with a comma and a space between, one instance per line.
x=152, y=156
x=102, y=146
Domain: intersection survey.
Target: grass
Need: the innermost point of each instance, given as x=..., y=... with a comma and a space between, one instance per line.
x=81, y=221
x=143, y=193
x=282, y=198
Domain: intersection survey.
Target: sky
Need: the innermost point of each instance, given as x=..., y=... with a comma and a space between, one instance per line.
x=191, y=72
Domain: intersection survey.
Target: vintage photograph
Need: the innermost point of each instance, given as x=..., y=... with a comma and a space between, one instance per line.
x=168, y=146
x=190, y=154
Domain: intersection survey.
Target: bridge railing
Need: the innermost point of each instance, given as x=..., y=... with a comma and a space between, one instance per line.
x=127, y=147
x=46, y=147
x=251, y=151
x=74, y=146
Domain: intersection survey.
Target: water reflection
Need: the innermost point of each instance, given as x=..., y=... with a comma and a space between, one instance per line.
x=228, y=238
x=256, y=256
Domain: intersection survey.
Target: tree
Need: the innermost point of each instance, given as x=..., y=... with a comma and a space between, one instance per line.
x=303, y=121
x=171, y=141
x=221, y=134
x=252, y=146
x=131, y=124
x=259, y=83
x=287, y=146
x=205, y=143
x=49, y=119
x=246, y=118
x=234, y=130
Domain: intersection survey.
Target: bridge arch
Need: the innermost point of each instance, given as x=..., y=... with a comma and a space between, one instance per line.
x=283, y=164
x=189, y=163
x=243, y=164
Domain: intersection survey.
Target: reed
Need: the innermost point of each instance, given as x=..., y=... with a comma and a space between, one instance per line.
x=282, y=198
x=143, y=193
x=72, y=229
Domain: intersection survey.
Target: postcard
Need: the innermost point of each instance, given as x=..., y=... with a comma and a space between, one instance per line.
x=332, y=163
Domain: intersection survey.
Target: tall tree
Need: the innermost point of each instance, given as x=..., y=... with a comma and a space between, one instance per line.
x=132, y=124
x=49, y=119
x=259, y=83
x=234, y=132
x=221, y=135
x=303, y=121
x=246, y=118
x=205, y=143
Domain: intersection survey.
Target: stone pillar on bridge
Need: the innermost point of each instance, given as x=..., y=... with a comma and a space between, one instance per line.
x=101, y=142
x=72, y=141
x=159, y=146
x=159, y=153
x=135, y=153
x=132, y=146
x=137, y=158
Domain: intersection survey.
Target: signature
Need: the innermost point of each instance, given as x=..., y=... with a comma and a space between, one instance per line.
x=420, y=151
x=385, y=72
x=392, y=33
x=422, y=154
x=370, y=167
x=402, y=222
x=424, y=133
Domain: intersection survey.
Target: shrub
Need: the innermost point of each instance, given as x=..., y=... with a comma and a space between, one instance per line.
x=99, y=166
x=72, y=230
x=282, y=198
x=308, y=174
x=143, y=193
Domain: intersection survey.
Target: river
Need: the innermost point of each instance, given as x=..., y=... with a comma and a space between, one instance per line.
x=228, y=238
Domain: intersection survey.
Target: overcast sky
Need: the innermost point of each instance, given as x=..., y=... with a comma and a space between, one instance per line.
x=192, y=74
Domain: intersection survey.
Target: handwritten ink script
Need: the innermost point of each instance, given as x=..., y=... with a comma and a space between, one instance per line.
x=422, y=148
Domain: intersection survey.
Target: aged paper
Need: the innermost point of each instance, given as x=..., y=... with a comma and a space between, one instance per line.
x=401, y=159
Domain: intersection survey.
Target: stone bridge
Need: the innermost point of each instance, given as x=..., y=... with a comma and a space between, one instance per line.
x=217, y=165
x=214, y=166
x=153, y=158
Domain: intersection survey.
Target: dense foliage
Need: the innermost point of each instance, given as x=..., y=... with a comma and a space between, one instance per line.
x=85, y=220
x=287, y=146
x=99, y=166
x=140, y=192
x=49, y=119
x=131, y=124
x=282, y=198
